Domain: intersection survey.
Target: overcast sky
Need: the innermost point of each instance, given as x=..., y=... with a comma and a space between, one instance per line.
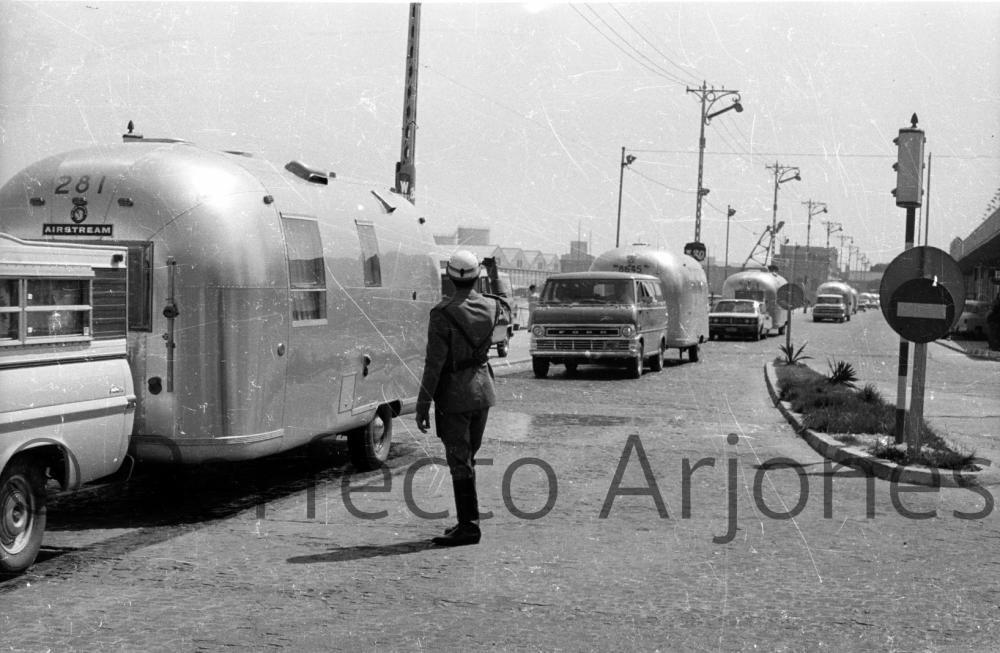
x=523, y=108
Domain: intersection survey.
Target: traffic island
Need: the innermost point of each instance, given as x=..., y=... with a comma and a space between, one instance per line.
x=855, y=456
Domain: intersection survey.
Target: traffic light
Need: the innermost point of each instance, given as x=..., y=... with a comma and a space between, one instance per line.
x=909, y=167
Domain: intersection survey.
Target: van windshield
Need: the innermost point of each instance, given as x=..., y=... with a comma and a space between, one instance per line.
x=587, y=291
x=828, y=299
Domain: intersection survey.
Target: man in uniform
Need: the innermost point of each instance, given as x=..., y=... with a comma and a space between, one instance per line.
x=458, y=379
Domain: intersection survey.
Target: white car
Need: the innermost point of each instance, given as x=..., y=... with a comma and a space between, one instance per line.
x=746, y=318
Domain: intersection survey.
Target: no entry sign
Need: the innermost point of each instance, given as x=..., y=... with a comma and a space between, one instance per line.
x=919, y=292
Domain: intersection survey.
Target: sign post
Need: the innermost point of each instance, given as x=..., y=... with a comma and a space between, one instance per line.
x=790, y=297
x=923, y=289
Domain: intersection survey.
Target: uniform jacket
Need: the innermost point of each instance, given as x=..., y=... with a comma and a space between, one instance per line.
x=471, y=388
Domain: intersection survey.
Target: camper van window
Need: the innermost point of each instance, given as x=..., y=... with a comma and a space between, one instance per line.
x=10, y=309
x=306, y=272
x=369, y=253
x=57, y=307
x=108, y=315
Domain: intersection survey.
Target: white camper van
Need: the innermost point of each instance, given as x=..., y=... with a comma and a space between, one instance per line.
x=684, y=286
x=66, y=396
x=268, y=305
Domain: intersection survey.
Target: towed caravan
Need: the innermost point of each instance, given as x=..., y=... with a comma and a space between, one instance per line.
x=268, y=305
x=762, y=285
x=684, y=287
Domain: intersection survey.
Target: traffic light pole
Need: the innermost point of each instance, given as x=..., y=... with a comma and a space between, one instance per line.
x=904, y=347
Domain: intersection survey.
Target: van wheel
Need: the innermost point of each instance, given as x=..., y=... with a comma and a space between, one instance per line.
x=635, y=365
x=369, y=445
x=540, y=366
x=657, y=363
x=693, y=353
x=22, y=515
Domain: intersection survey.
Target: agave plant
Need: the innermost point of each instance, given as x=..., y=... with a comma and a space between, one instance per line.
x=841, y=373
x=793, y=356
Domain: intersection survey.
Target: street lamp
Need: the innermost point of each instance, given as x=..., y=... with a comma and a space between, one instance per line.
x=626, y=161
x=730, y=212
x=829, y=230
x=781, y=175
x=821, y=206
x=708, y=96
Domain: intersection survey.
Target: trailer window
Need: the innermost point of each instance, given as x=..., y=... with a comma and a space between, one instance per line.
x=140, y=286
x=306, y=270
x=369, y=253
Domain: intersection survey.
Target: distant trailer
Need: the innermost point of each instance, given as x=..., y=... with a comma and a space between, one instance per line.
x=684, y=286
x=762, y=285
x=268, y=305
x=849, y=294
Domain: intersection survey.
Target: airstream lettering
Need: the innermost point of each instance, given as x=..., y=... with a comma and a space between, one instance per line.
x=66, y=398
x=267, y=306
x=684, y=286
x=762, y=285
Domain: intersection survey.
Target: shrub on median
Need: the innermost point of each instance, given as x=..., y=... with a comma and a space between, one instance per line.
x=844, y=409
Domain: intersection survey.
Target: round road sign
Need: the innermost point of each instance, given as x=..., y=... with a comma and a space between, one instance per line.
x=921, y=310
x=791, y=296
x=921, y=263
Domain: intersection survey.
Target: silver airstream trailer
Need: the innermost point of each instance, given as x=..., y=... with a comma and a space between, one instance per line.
x=684, y=286
x=760, y=284
x=846, y=291
x=268, y=305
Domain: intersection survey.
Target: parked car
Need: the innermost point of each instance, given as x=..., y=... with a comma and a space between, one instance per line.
x=747, y=318
x=831, y=307
x=972, y=321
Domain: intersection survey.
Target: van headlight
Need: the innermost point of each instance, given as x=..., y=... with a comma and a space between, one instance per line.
x=628, y=331
x=538, y=331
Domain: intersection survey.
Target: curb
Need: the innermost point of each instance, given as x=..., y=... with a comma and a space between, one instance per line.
x=831, y=448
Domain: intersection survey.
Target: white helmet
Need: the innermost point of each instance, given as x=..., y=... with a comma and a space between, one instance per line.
x=463, y=264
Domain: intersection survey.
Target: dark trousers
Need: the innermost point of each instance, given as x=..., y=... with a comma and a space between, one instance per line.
x=462, y=435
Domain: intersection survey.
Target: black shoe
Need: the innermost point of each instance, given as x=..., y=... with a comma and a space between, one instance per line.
x=459, y=535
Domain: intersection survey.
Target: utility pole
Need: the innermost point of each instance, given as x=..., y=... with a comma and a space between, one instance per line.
x=730, y=212
x=781, y=175
x=406, y=174
x=821, y=208
x=708, y=96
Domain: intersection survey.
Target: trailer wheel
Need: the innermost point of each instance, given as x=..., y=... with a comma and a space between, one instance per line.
x=540, y=366
x=502, y=349
x=635, y=365
x=369, y=445
x=657, y=363
x=693, y=353
x=22, y=515
x=781, y=329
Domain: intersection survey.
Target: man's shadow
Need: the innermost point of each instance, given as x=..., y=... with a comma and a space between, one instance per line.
x=364, y=551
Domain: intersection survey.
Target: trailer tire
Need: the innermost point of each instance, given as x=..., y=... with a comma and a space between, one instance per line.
x=369, y=444
x=540, y=366
x=502, y=349
x=22, y=515
x=781, y=329
x=693, y=353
